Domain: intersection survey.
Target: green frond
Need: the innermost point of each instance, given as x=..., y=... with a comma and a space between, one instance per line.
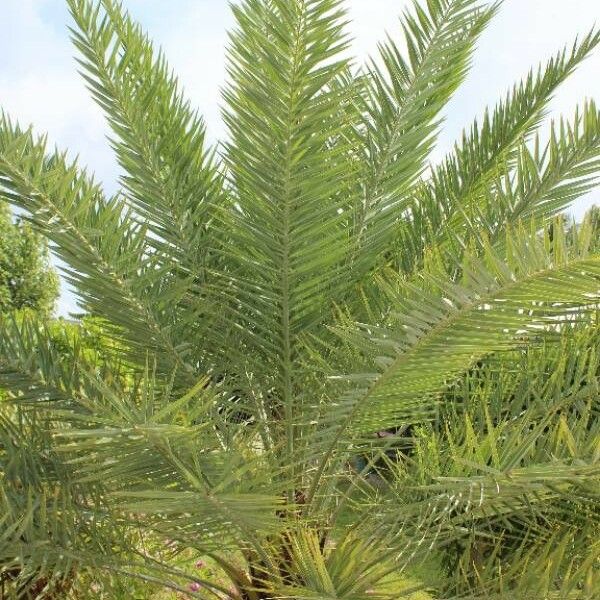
x=546, y=179
x=288, y=238
x=457, y=196
x=30, y=367
x=343, y=571
x=105, y=252
x=160, y=455
x=405, y=99
x=549, y=180
x=46, y=517
x=480, y=157
x=521, y=428
x=171, y=178
x=509, y=525
x=438, y=328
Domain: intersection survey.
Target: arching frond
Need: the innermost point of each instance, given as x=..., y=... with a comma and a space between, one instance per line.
x=439, y=328
x=458, y=195
x=103, y=248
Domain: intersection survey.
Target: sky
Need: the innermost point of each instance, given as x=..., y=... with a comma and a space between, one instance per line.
x=39, y=83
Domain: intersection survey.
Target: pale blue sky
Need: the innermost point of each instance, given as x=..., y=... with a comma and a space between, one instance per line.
x=39, y=83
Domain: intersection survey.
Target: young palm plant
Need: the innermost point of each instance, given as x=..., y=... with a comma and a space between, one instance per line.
x=327, y=356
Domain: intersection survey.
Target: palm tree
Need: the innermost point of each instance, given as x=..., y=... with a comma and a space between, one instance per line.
x=272, y=303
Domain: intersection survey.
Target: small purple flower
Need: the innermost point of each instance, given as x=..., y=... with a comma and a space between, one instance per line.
x=195, y=587
x=200, y=564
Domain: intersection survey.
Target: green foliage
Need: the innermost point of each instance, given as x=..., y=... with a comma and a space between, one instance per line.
x=27, y=281
x=529, y=417
x=313, y=290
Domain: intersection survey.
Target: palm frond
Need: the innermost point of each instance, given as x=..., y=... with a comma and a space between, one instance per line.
x=288, y=238
x=46, y=516
x=456, y=196
x=522, y=429
x=171, y=177
x=439, y=328
x=104, y=249
x=406, y=97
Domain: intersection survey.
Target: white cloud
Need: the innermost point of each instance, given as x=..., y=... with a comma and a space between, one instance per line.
x=39, y=83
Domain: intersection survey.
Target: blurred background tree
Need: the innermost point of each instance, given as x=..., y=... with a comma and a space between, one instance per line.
x=27, y=280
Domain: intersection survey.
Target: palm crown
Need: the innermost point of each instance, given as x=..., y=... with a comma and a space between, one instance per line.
x=272, y=306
